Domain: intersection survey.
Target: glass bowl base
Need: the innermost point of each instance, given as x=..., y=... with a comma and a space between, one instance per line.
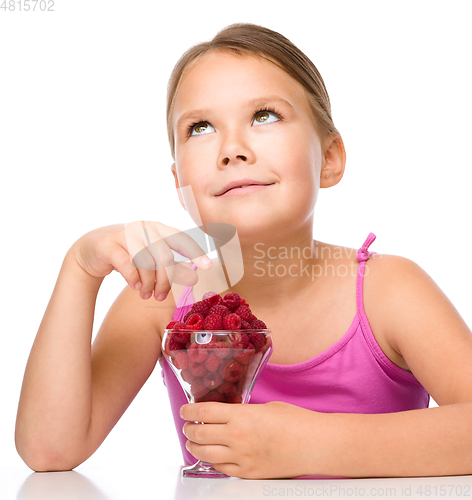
x=203, y=470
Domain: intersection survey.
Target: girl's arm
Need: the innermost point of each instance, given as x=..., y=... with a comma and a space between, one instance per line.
x=426, y=329
x=282, y=440
x=72, y=395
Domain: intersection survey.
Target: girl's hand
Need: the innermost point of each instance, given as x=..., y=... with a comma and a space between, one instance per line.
x=140, y=252
x=254, y=441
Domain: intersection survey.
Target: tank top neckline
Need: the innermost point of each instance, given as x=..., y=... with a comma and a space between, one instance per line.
x=360, y=321
x=362, y=255
x=322, y=356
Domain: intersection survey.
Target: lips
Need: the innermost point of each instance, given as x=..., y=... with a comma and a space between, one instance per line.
x=241, y=183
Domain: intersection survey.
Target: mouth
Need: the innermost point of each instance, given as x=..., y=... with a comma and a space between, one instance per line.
x=244, y=190
x=243, y=186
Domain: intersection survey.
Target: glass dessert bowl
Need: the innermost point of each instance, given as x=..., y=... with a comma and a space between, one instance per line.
x=216, y=365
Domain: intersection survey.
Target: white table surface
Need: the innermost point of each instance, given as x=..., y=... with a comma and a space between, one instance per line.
x=148, y=482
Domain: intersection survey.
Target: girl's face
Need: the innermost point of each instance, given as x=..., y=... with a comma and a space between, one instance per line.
x=238, y=118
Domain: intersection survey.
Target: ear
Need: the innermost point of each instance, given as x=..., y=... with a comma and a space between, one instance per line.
x=177, y=185
x=334, y=161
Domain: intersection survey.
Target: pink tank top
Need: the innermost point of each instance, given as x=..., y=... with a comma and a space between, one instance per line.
x=352, y=376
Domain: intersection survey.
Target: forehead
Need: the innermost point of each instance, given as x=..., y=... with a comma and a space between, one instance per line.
x=221, y=78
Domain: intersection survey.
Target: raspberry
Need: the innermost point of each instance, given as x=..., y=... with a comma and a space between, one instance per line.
x=213, y=322
x=244, y=312
x=232, y=301
x=200, y=307
x=228, y=388
x=220, y=309
x=197, y=353
x=220, y=369
x=198, y=389
x=182, y=336
x=244, y=379
x=245, y=325
x=187, y=376
x=212, y=299
x=257, y=339
x=194, y=322
x=231, y=370
x=181, y=361
x=212, y=362
x=187, y=316
x=232, y=322
x=212, y=380
x=244, y=356
x=172, y=345
x=211, y=396
x=257, y=324
x=220, y=349
x=235, y=399
x=239, y=340
x=267, y=345
x=197, y=369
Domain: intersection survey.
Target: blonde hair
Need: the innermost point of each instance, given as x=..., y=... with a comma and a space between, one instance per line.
x=251, y=39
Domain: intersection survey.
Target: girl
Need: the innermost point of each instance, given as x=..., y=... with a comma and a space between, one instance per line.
x=360, y=339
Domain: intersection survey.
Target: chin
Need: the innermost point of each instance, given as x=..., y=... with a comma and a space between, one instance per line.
x=253, y=232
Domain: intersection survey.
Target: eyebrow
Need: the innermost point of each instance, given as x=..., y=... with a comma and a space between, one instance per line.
x=199, y=114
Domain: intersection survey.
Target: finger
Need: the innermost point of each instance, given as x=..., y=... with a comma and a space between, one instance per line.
x=164, y=259
x=185, y=245
x=147, y=244
x=120, y=260
x=152, y=257
x=229, y=469
x=134, y=238
x=209, y=412
x=209, y=453
x=184, y=274
x=168, y=270
x=134, y=241
x=206, y=433
x=147, y=271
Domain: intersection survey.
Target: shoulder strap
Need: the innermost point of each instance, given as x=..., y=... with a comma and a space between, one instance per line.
x=362, y=255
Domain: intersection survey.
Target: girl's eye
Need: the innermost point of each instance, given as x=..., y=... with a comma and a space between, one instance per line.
x=265, y=116
x=201, y=128
x=260, y=118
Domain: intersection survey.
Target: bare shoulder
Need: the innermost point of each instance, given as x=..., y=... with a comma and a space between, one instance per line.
x=386, y=279
x=132, y=329
x=146, y=316
x=421, y=324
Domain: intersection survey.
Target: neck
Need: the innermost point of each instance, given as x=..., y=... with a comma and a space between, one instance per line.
x=274, y=269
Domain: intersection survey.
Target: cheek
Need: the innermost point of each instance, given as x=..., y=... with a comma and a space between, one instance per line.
x=302, y=172
x=301, y=164
x=194, y=184
x=188, y=164
x=299, y=145
x=195, y=163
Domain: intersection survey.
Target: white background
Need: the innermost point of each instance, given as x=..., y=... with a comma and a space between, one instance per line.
x=83, y=144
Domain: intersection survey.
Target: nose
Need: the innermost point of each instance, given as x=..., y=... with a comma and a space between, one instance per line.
x=227, y=160
x=235, y=148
